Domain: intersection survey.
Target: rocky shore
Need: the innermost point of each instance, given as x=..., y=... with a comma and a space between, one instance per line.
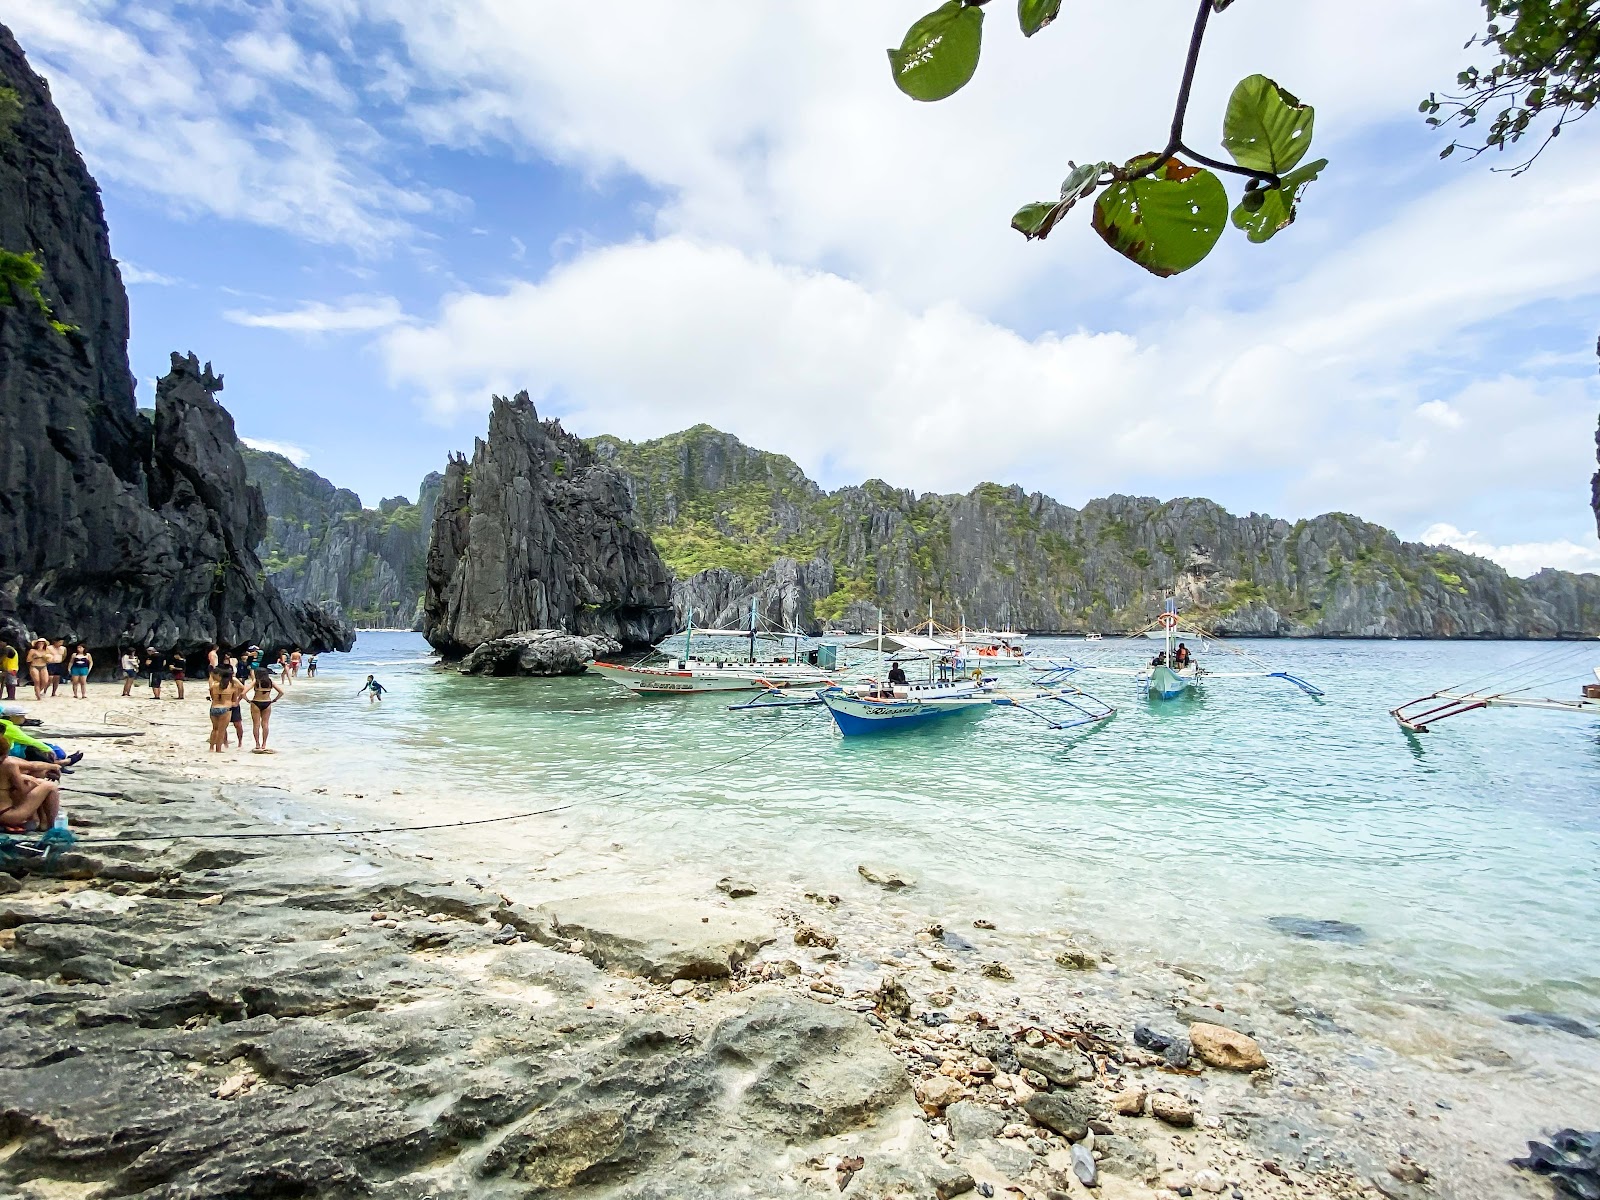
x=370, y=1015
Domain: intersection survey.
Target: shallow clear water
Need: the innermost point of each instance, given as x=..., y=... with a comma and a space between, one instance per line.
x=1468, y=855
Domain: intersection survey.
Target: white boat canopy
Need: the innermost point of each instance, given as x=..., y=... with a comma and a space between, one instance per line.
x=902, y=643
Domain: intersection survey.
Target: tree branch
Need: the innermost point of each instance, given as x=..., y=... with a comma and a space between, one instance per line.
x=1180, y=114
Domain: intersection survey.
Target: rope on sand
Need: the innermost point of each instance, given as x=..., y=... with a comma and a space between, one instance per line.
x=522, y=816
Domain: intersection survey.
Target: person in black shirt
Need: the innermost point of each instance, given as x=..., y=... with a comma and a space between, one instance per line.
x=897, y=675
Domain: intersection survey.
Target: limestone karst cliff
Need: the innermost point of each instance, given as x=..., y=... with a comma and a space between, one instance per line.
x=113, y=528
x=736, y=522
x=322, y=545
x=536, y=533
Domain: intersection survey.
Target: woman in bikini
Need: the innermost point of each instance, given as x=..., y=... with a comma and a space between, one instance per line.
x=263, y=691
x=39, y=667
x=225, y=692
x=25, y=799
x=81, y=663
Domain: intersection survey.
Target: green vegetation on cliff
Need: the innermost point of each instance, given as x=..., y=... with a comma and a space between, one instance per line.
x=999, y=555
x=322, y=545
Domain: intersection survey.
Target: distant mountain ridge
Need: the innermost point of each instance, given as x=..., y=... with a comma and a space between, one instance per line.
x=322, y=545
x=736, y=523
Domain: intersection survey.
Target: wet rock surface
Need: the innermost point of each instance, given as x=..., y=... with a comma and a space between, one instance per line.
x=280, y=1041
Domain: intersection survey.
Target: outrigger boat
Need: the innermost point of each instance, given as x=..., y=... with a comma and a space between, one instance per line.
x=1175, y=671
x=1417, y=716
x=672, y=673
x=876, y=706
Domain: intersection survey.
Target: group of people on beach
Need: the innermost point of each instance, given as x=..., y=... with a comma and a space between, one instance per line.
x=228, y=691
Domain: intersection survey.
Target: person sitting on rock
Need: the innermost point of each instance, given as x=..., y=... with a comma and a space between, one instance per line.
x=26, y=799
x=897, y=675
x=26, y=747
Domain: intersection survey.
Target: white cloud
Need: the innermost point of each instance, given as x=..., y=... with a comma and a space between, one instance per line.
x=1440, y=413
x=355, y=314
x=159, y=110
x=295, y=454
x=134, y=276
x=1524, y=558
x=1307, y=391
x=775, y=126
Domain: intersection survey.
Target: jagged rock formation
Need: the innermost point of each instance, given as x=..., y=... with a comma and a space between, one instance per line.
x=537, y=533
x=738, y=522
x=321, y=545
x=112, y=529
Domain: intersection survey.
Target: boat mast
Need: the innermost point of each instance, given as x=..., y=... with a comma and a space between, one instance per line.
x=930, y=618
x=688, y=641
x=752, y=629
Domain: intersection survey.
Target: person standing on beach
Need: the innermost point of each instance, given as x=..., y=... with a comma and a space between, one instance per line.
x=211, y=658
x=38, y=667
x=283, y=665
x=9, y=664
x=294, y=663
x=57, y=664
x=157, y=670
x=264, y=691
x=178, y=668
x=78, y=668
x=373, y=687
x=311, y=667
x=129, y=662
x=224, y=692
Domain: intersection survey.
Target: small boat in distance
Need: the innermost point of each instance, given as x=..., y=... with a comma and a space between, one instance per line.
x=665, y=672
x=1176, y=669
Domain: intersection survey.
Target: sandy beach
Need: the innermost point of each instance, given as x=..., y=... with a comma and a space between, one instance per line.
x=447, y=1012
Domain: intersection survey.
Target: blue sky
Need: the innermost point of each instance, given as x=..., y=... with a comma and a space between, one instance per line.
x=372, y=214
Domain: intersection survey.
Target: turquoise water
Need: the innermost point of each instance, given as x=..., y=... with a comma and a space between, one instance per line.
x=1468, y=855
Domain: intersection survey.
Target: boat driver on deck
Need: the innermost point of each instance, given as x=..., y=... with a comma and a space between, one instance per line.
x=897, y=676
x=1182, y=657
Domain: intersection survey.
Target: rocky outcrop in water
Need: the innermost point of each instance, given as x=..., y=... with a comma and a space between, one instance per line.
x=322, y=546
x=539, y=652
x=113, y=528
x=729, y=518
x=537, y=533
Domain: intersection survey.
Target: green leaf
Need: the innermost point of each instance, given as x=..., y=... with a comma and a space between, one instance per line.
x=1265, y=211
x=1266, y=128
x=1166, y=222
x=1037, y=220
x=940, y=52
x=1034, y=15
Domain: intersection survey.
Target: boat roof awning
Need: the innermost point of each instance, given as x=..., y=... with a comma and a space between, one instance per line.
x=902, y=643
x=768, y=634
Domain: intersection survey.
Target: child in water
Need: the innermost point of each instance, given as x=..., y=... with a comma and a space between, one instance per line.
x=375, y=688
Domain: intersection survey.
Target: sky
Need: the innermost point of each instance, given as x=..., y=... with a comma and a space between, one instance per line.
x=373, y=215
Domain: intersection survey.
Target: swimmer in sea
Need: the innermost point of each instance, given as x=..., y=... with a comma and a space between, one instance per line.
x=374, y=687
